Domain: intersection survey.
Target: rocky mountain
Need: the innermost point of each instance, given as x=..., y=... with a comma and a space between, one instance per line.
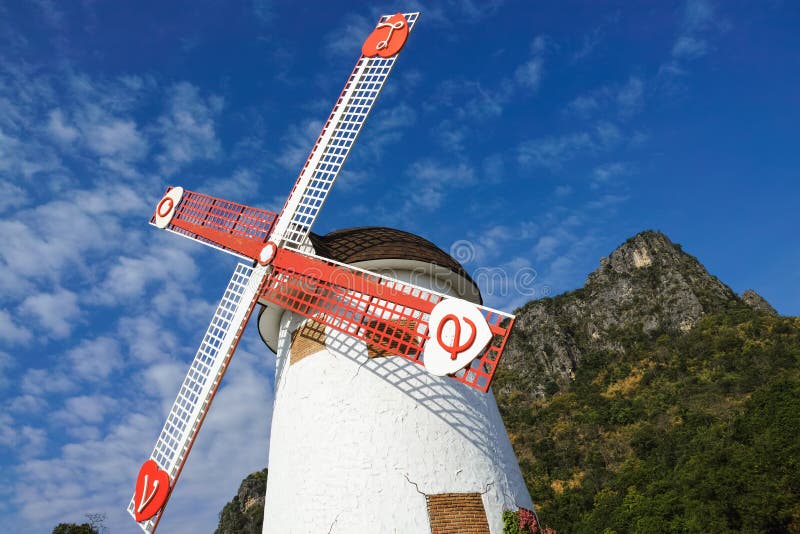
x=758, y=303
x=245, y=513
x=648, y=285
x=652, y=399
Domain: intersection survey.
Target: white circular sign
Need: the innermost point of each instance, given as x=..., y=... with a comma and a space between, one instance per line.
x=165, y=209
x=267, y=253
x=458, y=333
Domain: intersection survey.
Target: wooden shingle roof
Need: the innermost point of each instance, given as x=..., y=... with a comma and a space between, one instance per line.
x=368, y=243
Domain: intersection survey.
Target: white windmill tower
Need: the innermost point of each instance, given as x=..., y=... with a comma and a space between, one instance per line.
x=383, y=419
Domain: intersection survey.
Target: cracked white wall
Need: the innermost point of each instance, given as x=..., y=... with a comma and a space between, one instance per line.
x=356, y=443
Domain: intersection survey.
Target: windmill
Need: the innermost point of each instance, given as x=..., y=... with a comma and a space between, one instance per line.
x=436, y=331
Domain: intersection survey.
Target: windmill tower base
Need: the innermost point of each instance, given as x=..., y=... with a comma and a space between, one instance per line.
x=363, y=442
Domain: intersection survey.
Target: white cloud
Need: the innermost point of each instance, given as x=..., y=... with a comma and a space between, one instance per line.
x=128, y=277
x=545, y=247
x=607, y=202
x=233, y=442
x=8, y=433
x=607, y=135
x=384, y=129
x=298, y=142
x=73, y=419
x=118, y=139
x=583, y=105
x=697, y=15
x=627, y=98
x=10, y=332
x=433, y=171
x=553, y=152
x=689, y=47
x=241, y=184
x=11, y=196
x=5, y=363
x=631, y=96
x=59, y=129
x=590, y=41
x=56, y=312
x=345, y=40
x=91, y=474
x=563, y=191
x=97, y=471
x=529, y=74
x=27, y=404
x=187, y=129
x=147, y=339
x=26, y=159
x=91, y=409
x=476, y=100
x=50, y=13
x=604, y=173
x=262, y=9
x=43, y=242
x=42, y=381
x=95, y=359
x=699, y=22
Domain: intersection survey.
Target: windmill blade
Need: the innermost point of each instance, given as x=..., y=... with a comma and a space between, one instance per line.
x=390, y=315
x=195, y=396
x=336, y=139
x=228, y=226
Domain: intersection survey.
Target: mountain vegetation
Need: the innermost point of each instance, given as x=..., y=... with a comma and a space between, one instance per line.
x=652, y=399
x=245, y=513
x=656, y=400
x=74, y=528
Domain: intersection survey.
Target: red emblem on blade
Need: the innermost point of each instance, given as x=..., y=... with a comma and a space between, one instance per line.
x=152, y=488
x=455, y=349
x=165, y=206
x=387, y=38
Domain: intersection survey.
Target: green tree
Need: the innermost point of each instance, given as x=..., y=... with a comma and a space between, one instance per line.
x=73, y=528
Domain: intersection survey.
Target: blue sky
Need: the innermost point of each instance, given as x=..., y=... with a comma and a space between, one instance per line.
x=528, y=137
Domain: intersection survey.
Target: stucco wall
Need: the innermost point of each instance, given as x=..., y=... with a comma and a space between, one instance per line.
x=358, y=443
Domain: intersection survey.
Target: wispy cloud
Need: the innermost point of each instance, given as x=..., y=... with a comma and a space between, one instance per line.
x=607, y=172
x=689, y=47
x=589, y=43
x=430, y=180
x=552, y=152
x=297, y=143
x=478, y=100
x=10, y=332
x=187, y=128
x=698, y=25
x=57, y=312
x=624, y=99
x=95, y=359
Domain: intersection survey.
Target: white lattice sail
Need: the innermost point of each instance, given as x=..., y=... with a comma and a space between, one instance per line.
x=205, y=373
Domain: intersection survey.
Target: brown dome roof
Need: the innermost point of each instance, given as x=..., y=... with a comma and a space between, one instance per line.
x=368, y=243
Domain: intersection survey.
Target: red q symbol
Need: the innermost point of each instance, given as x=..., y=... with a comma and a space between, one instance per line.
x=455, y=349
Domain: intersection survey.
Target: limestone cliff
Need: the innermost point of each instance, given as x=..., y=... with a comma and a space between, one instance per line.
x=245, y=513
x=648, y=285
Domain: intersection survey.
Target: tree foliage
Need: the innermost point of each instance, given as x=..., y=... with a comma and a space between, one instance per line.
x=697, y=432
x=73, y=528
x=245, y=513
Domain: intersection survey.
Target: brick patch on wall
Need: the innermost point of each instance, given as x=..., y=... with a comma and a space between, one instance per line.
x=306, y=341
x=457, y=513
x=376, y=351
